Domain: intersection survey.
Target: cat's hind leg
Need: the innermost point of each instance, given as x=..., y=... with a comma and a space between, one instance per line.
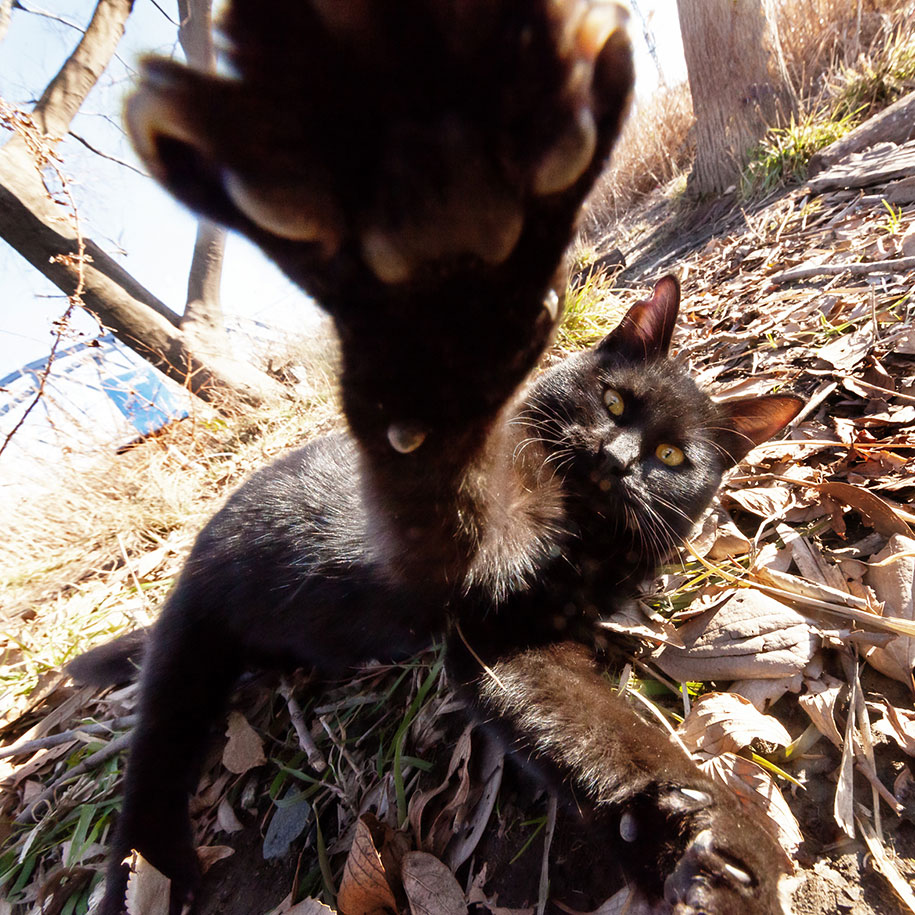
x=188, y=673
x=682, y=837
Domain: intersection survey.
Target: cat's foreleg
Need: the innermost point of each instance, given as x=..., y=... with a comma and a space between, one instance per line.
x=418, y=168
x=681, y=837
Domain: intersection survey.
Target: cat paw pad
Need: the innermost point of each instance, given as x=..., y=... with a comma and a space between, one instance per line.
x=401, y=136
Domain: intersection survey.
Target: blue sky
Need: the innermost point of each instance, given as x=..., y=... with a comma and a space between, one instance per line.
x=126, y=213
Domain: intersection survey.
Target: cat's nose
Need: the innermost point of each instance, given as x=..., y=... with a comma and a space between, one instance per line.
x=619, y=456
x=613, y=465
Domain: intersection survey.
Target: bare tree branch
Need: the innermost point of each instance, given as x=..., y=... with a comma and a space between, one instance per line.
x=44, y=229
x=104, y=155
x=44, y=14
x=42, y=233
x=64, y=95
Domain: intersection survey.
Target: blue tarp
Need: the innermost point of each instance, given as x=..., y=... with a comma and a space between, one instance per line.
x=145, y=397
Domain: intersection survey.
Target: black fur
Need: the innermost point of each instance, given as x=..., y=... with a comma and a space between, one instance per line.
x=412, y=138
x=418, y=166
x=568, y=512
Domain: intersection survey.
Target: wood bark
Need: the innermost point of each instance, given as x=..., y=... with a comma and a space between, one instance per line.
x=735, y=94
x=895, y=124
x=46, y=234
x=203, y=316
x=67, y=91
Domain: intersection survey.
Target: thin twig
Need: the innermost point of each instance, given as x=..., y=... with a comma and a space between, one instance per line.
x=23, y=125
x=55, y=740
x=108, y=156
x=315, y=757
x=112, y=748
x=799, y=273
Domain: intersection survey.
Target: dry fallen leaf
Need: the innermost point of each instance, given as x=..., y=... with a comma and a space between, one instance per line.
x=819, y=702
x=765, y=501
x=292, y=814
x=751, y=636
x=491, y=764
x=364, y=888
x=208, y=855
x=147, y=889
x=309, y=907
x=760, y=796
x=764, y=693
x=627, y=901
x=717, y=536
x=844, y=805
x=305, y=907
x=725, y=723
x=848, y=350
x=226, y=819
x=886, y=865
x=894, y=584
x=430, y=887
x=244, y=749
x=899, y=724
x=874, y=510
x=431, y=838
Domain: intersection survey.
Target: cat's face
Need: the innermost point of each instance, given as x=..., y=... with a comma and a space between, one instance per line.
x=635, y=445
x=638, y=447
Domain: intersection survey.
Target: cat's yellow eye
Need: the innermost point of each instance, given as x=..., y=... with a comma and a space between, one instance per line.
x=614, y=402
x=670, y=455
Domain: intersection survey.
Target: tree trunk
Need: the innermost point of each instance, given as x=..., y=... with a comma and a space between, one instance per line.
x=735, y=95
x=203, y=310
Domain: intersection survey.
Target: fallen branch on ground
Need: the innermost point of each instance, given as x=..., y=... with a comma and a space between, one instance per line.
x=806, y=270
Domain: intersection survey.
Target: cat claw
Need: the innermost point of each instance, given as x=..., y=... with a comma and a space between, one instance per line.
x=700, y=798
x=629, y=829
x=405, y=437
x=705, y=883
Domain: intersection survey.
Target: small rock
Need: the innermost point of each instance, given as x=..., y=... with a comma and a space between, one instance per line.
x=901, y=192
x=907, y=245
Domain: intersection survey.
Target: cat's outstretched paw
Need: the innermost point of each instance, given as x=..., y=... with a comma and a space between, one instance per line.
x=710, y=858
x=403, y=135
x=417, y=166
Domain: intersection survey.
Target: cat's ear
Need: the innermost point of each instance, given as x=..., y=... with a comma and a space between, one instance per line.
x=748, y=423
x=645, y=331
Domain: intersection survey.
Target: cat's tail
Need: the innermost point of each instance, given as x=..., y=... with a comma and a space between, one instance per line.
x=113, y=663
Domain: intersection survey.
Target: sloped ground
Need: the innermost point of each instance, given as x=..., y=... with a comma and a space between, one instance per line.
x=812, y=542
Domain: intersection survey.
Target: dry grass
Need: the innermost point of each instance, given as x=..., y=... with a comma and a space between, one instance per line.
x=843, y=61
x=822, y=38
x=97, y=554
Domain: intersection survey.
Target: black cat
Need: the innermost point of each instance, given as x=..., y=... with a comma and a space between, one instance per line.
x=590, y=479
x=418, y=166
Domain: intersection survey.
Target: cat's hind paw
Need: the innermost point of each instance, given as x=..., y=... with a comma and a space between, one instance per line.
x=714, y=859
